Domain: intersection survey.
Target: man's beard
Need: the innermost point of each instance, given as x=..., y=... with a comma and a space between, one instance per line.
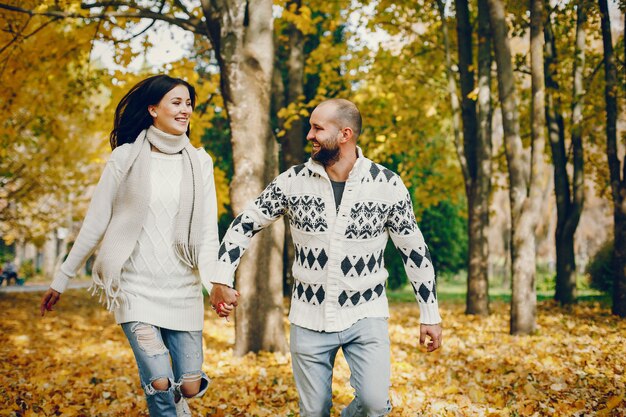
x=327, y=155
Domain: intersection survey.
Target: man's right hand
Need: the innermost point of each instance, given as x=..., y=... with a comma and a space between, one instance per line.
x=48, y=300
x=223, y=299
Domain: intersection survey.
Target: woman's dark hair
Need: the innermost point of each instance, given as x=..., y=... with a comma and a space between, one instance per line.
x=131, y=114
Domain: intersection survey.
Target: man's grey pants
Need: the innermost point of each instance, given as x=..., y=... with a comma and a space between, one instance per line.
x=366, y=348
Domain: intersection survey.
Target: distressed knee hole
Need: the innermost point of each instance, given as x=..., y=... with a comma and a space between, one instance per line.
x=147, y=339
x=161, y=384
x=190, y=385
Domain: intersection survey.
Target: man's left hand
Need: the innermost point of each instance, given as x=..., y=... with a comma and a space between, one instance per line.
x=433, y=331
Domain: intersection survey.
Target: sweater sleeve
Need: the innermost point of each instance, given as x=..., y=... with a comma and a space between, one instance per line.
x=208, y=252
x=93, y=227
x=409, y=241
x=265, y=210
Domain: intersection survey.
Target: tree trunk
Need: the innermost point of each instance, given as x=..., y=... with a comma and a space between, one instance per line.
x=454, y=96
x=568, y=270
x=294, y=140
x=49, y=252
x=20, y=252
x=474, y=152
x=466, y=72
x=477, y=142
x=480, y=258
x=618, y=186
x=569, y=205
x=524, y=192
x=477, y=301
x=241, y=34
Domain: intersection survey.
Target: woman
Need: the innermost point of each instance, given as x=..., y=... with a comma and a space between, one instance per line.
x=155, y=213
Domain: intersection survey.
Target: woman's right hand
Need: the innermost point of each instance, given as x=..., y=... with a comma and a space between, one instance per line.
x=49, y=299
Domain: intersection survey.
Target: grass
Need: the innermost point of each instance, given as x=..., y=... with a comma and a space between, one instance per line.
x=454, y=289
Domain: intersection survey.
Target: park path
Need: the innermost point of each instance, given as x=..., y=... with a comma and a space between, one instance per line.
x=40, y=287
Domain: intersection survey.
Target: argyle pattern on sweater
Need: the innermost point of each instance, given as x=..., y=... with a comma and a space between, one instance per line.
x=339, y=269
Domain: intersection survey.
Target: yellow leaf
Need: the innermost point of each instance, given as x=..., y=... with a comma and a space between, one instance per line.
x=614, y=401
x=476, y=395
x=452, y=389
x=559, y=386
x=529, y=389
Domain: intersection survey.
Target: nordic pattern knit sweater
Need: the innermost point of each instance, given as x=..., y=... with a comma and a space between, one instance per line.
x=339, y=272
x=162, y=290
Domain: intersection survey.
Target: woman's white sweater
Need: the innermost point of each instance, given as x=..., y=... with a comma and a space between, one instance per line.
x=161, y=289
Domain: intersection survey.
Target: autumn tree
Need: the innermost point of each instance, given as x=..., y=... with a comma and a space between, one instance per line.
x=481, y=185
x=241, y=37
x=473, y=144
x=49, y=133
x=617, y=178
x=569, y=192
x=524, y=177
x=290, y=86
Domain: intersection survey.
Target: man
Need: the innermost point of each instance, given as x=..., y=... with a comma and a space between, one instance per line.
x=342, y=207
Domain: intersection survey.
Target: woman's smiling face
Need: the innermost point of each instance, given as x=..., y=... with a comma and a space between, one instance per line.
x=171, y=115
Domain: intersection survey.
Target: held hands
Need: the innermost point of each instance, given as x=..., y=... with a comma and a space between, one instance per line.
x=434, y=332
x=223, y=299
x=49, y=299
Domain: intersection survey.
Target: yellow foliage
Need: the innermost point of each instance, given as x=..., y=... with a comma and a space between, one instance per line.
x=76, y=361
x=52, y=129
x=222, y=190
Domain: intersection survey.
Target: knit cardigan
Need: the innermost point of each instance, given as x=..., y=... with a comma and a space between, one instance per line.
x=339, y=272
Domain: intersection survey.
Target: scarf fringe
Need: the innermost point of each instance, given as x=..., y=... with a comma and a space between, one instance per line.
x=188, y=254
x=110, y=292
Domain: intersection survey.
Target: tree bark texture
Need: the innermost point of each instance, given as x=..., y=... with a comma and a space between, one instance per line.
x=474, y=156
x=524, y=189
x=618, y=186
x=478, y=154
x=294, y=140
x=241, y=34
x=454, y=95
x=569, y=194
x=292, y=145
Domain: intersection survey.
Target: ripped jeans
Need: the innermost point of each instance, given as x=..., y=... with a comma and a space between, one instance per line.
x=175, y=356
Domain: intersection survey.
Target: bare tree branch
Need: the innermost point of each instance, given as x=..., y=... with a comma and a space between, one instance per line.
x=141, y=32
x=182, y=7
x=16, y=35
x=191, y=24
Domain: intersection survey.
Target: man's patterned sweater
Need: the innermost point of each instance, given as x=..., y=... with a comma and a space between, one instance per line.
x=339, y=272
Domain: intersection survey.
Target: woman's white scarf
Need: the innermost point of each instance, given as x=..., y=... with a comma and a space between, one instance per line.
x=130, y=208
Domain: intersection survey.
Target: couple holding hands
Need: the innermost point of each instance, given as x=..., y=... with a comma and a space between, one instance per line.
x=154, y=215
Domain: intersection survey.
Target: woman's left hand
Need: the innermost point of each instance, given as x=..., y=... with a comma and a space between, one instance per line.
x=224, y=310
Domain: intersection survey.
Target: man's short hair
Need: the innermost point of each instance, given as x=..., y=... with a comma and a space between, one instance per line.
x=347, y=114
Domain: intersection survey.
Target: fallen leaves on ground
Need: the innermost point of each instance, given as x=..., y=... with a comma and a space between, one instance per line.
x=76, y=362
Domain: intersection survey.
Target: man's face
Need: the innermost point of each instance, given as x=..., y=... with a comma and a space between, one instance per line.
x=324, y=135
